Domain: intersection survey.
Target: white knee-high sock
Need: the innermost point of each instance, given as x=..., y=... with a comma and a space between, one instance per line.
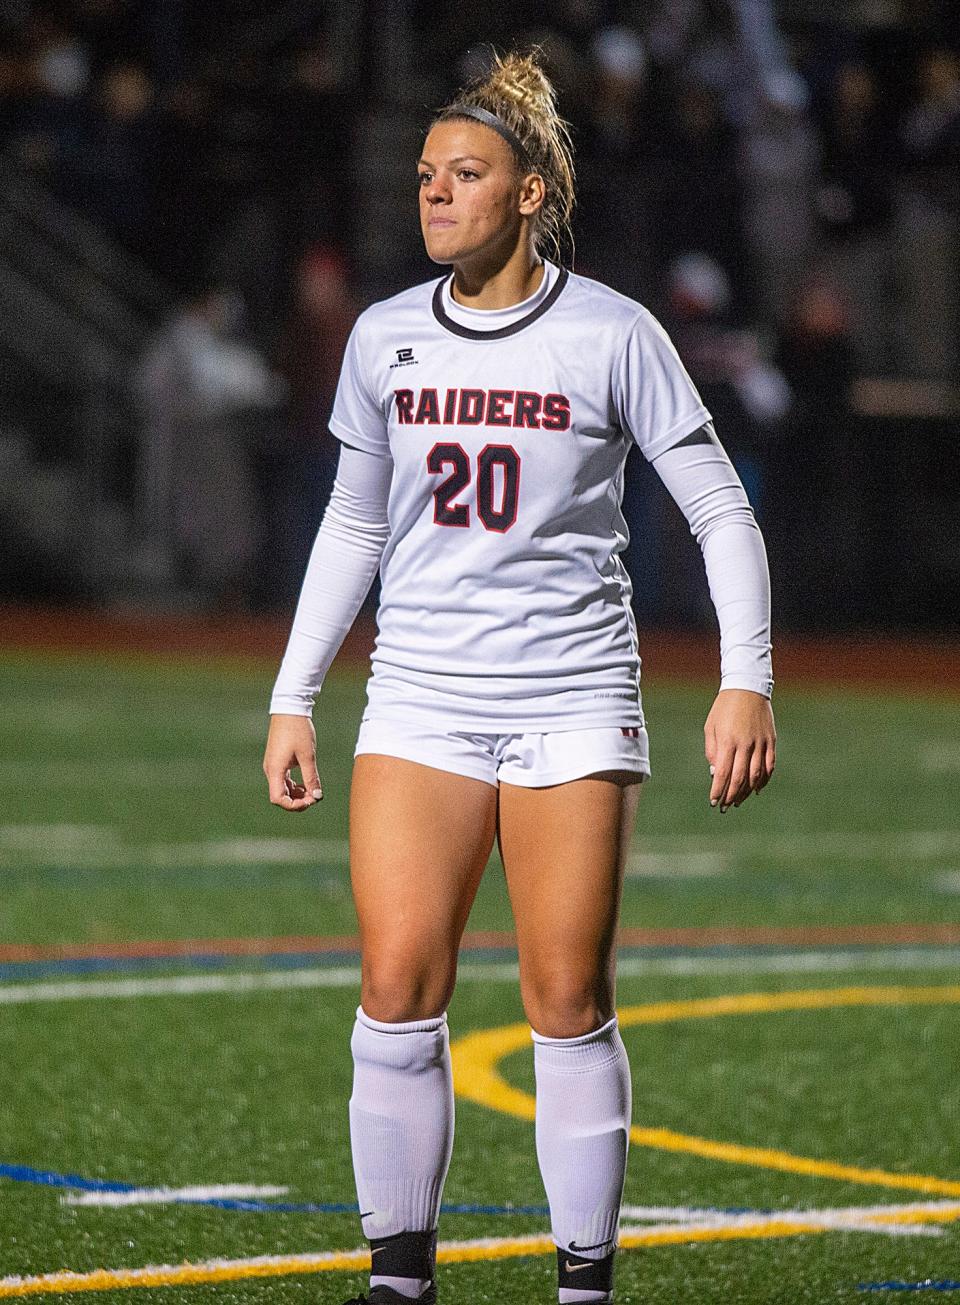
x=401, y=1124
x=582, y=1127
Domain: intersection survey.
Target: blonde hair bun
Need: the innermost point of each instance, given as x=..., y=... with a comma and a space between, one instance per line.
x=518, y=77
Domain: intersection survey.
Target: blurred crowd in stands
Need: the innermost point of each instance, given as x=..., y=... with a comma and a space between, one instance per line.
x=778, y=181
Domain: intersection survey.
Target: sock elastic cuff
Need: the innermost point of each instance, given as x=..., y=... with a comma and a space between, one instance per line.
x=408, y=1026
x=571, y=1055
x=602, y=1034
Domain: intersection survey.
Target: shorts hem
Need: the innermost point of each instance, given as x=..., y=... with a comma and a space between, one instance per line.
x=456, y=767
x=568, y=775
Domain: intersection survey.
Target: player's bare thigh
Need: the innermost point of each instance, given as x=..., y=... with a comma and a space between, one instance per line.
x=564, y=849
x=419, y=841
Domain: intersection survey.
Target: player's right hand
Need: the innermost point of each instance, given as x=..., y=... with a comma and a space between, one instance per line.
x=292, y=742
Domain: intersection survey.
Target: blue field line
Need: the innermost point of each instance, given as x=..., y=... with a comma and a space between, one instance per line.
x=342, y=1207
x=50, y=1178
x=351, y=1207
x=928, y=1284
x=19, y=971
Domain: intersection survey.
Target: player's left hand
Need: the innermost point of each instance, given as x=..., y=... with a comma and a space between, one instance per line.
x=741, y=745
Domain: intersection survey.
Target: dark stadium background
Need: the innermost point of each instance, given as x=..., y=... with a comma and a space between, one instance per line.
x=778, y=182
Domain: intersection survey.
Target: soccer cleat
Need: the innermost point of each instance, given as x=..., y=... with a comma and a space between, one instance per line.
x=381, y=1295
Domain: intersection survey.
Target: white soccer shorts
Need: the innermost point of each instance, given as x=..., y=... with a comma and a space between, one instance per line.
x=530, y=760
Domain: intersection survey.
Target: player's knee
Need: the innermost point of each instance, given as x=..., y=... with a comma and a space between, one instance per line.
x=567, y=1006
x=397, y=988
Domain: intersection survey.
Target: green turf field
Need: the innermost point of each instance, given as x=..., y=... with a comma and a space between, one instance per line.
x=132, y=808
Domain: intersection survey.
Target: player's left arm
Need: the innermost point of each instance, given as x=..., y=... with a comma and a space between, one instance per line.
x=739, y=735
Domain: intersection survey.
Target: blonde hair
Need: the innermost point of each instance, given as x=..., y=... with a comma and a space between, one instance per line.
x=518, y=92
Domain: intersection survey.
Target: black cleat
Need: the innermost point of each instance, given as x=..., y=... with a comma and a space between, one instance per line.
x=387, y=1296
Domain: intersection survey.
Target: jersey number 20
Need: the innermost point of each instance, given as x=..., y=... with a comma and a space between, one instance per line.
x=493, y=515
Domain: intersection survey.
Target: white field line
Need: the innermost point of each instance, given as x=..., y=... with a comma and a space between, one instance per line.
x=96, y=847
x=792, y=1222
x=676, y=865
x=129, y=773
x=670, y=1213
x=68, y=715
x=822, y=962
x=186, y=985
x=815, y=1220
x=247, y=851
x=170, y=1195
x=25, y=837
x=693, y=855
x=347, y=976
x=887, y=845
x=883, y=1219
x=940, y=758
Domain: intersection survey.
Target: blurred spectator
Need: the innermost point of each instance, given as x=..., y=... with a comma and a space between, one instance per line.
x=819, y=536
x=302, y=462
x=734, y=45
x=61, y=63
x=736, y=49
x=321, y=318
x=855, y=207
x=817, y=349
x=181, y=195
x=698, y=150
x=243, y=183
x=104, y=173
x=746, y=393
x=615, y=216
x=313, y=130
x=45, y=73
x=199, y=384
x=748, y=398
x=779, y=167
x=927, y=221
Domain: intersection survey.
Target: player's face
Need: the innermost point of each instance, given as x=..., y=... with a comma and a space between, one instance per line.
x=471, y=194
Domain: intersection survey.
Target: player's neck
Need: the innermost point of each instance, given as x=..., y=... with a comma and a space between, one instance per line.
x=498, y=287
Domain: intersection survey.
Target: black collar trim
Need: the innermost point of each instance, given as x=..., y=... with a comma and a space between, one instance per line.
x=468, y=333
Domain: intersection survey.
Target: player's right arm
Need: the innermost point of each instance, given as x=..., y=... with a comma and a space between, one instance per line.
x=343, y=562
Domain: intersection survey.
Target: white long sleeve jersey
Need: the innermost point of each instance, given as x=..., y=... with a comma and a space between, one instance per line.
x=484, y=472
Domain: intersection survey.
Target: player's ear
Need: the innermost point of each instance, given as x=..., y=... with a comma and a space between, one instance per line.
x=532, y=194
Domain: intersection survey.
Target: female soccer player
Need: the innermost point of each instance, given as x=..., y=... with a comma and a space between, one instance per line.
x=484, y=422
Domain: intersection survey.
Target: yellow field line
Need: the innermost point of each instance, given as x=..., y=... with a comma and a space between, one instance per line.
x=477, y=1057
x=663, y=1139
x=275, y=1266
x=167, y=1275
